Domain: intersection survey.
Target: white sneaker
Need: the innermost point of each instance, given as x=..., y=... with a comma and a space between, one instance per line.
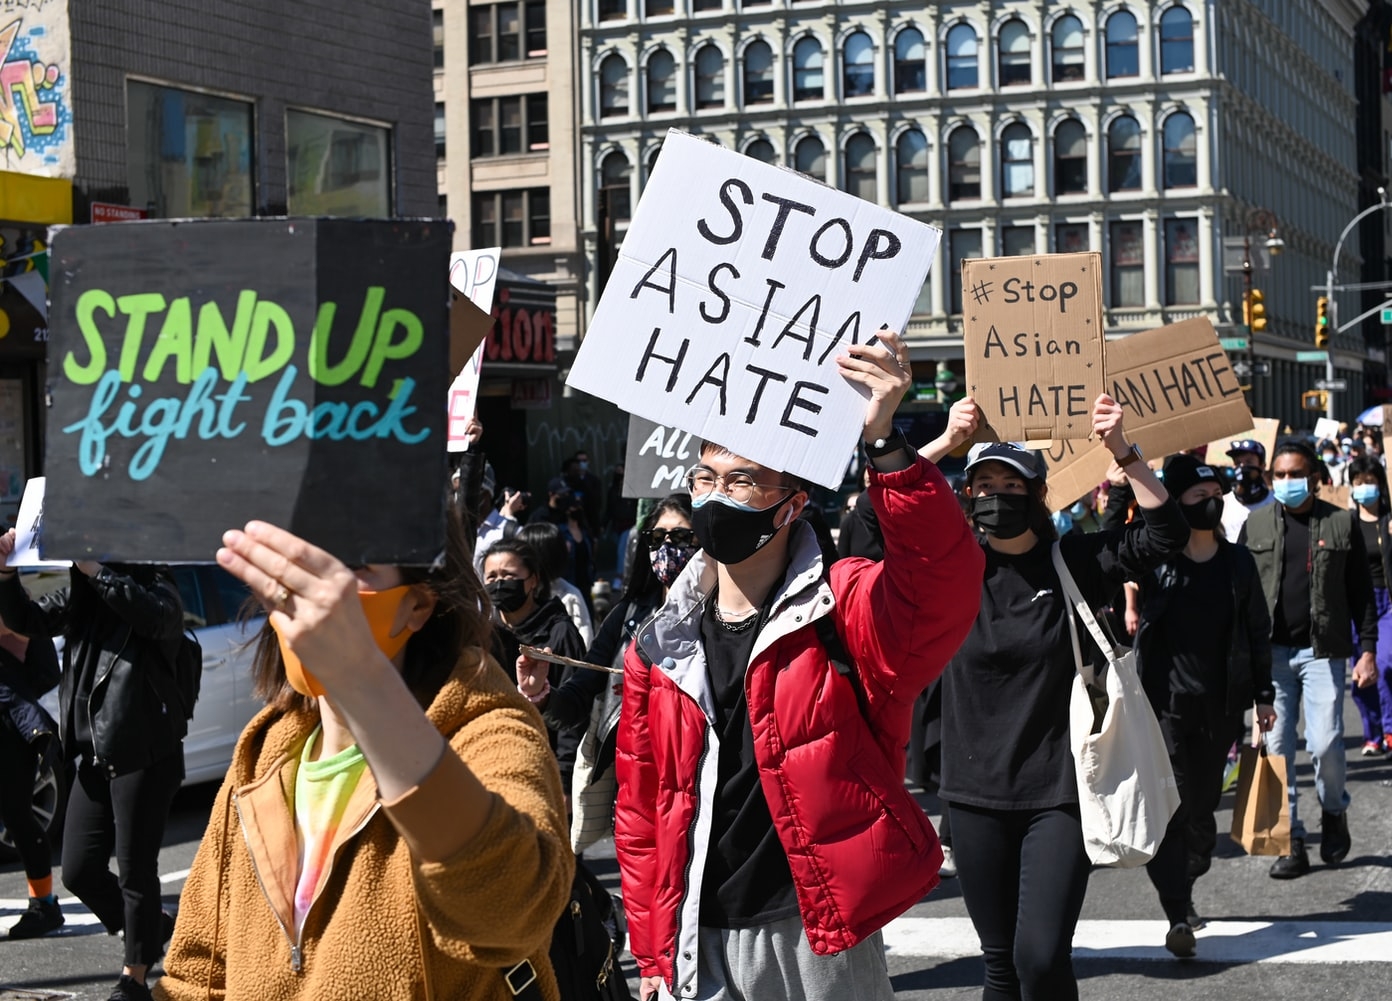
x=948, y=869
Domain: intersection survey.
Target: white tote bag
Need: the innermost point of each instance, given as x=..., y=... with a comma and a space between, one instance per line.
x=1126, y=788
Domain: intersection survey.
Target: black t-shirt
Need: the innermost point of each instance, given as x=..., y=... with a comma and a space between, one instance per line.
x=1291, y=623
x=747, y=881
x=1374, y=548
x=1198, y=640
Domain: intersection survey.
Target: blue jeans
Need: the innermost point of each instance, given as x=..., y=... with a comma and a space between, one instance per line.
x=1315, y=687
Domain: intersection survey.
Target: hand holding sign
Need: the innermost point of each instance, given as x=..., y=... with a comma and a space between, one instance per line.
x=962, y=422
x=1106, y=425
x=533, y=676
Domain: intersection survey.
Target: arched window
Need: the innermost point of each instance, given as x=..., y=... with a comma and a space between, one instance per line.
x=809, y=77
x=860, y=167
x=910, y=73
x=809, y=156
x=1017, y=161
x=613, y=86
x=961, y=58
x=858, y=65
x=662, y=81
x=656, y=8
x=615, y=195
x=1068, y=59
x=1176, y=41
x=710, y=77
x=758, y=74
x=1123, y=46
x=1070, y=158
x=1124, y=155
x=911, y=167
x=1181, y=152
x=761, y=150
x=1013, y=57
x=963, y=164
x=652, y=162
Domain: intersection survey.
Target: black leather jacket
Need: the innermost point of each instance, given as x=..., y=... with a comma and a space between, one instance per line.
x=122, y=630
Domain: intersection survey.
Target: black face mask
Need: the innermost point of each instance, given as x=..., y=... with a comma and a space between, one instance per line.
x=507, y=595
x=732, y=534
x=1205, y=515
x=1251, y=486
x=1005, y=516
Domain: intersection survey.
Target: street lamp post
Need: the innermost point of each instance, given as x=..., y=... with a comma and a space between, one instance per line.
x=1331, y=285
x=1258, y=221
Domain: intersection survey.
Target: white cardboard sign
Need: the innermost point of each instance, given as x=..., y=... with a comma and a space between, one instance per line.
x=28, y=527
x=737, y=285
x=475, y=274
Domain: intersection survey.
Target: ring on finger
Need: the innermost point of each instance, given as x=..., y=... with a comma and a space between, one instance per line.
x=282, y=597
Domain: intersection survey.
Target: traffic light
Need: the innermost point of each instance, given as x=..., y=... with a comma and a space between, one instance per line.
x=1256, y=311
x=1314, y=399
x=1322, y=322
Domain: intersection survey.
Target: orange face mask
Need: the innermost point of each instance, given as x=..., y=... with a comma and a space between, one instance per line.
x=380, y=607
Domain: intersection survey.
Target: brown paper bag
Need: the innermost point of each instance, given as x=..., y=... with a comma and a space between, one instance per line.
x=1261, y=816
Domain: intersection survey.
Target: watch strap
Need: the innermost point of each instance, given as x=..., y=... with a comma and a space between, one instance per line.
x=1133, y=455
x=884, y=446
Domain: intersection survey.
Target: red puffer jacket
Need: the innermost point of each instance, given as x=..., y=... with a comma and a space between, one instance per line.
x=860, y=849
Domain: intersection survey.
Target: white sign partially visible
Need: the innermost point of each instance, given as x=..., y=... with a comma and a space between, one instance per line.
x=737, y=286
x=473, y=273
x=28, y=528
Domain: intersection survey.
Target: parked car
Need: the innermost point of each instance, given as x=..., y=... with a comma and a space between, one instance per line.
x=213, y=602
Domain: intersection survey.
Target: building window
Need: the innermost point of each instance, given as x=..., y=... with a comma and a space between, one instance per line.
x=652, y=162
x=439, y=131
x=656, y=8
x=1123, y=47
x=962, y=245
x=809, y=79
x=1070, y=238
x=437, y=30
x=910, y=64
x=615, y=188
x=188, y=154
x=536, y=30
x=963, y=164
x=509, y=125
x=1017, y=161
x=858, y=65
x=1124, y=155
x=1128, y=265
x=911, y=167
x=1181, y=262
x=613, y=86
x=860, y=167
x=710, y=78
x=1017, y=241
x=1181, y=152
x=496, y=32
x=1013, y=67
x=538, y=129
x=761, y=150
x=512, y=218
x=613, y=10
x=337, y=167
x=698, y=5
x=758, y=74
x=662, y=82
x=961, y=58
x=1176, y=41
x=1069, y=63
x=809, y=157
x=1070, y=157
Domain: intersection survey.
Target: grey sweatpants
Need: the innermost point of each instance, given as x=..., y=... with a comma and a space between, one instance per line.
x=774, y=961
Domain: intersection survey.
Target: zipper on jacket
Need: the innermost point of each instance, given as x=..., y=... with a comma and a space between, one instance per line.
x=299, y=932
x=96, y=682
x=296, y=957
x=691, y=849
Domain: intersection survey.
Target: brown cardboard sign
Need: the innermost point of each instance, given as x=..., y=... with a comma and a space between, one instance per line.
x=1264, y=430
x=468, y=325
x=1341, y=496
x=1034, y=343
x=1178, y=391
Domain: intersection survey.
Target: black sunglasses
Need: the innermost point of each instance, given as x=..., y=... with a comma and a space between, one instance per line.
x=677, y=536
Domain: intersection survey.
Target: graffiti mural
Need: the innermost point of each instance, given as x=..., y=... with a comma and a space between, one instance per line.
x=35, y=110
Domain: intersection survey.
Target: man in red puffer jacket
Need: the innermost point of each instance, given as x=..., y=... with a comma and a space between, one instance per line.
x=763, y=830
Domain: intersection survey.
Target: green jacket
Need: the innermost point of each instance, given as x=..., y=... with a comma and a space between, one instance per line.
x=1341, y=588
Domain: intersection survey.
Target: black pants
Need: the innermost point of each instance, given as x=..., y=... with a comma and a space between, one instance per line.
x=1023, y=875
x=124, y=816
x=19, y=763
x=1198, y=737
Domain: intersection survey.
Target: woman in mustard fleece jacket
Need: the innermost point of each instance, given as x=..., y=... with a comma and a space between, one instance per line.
x=361, y=845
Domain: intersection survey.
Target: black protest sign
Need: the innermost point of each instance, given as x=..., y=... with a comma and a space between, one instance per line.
x=206, y=373
x=657, y=458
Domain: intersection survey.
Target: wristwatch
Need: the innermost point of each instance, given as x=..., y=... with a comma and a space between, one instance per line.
x=1133, y=454
x=884, y=446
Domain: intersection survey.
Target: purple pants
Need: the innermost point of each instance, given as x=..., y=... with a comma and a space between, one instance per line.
x=1375, y=702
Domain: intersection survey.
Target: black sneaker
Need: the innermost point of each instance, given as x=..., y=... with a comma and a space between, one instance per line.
x=42, y=917
x=1180, y=941
x=1294, y=865
x=1334, y=837
x=130, y=989
x=1191, y=916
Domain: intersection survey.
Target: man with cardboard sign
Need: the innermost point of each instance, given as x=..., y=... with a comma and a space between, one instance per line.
x=207, y=373
x=1178, y=389
x=737, y=286
x=1033, y=338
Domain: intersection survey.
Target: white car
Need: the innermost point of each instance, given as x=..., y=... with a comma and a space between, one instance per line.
x=213, y=603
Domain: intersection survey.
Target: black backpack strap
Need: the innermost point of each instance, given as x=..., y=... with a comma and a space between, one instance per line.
x=840, y=659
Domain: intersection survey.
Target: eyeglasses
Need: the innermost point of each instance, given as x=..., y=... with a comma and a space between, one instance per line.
x=683, y=537
x=738, y=487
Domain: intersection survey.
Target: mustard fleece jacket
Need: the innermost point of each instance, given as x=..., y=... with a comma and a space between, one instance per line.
x=385, y=924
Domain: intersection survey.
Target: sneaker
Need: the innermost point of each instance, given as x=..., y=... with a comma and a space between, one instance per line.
x=1334, y=837
x=1180, y=941
x=1191, y=917
x=1372, y=747
x=948, y=869
x=43, y=916
x=130, y=989
x=1294, y=865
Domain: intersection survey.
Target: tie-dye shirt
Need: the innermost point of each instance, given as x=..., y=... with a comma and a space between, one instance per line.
x=322, y=791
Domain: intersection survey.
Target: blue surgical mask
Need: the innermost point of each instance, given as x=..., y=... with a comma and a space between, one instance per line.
x=1063, y=522
x=1366, y=494
x=1291, y=492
